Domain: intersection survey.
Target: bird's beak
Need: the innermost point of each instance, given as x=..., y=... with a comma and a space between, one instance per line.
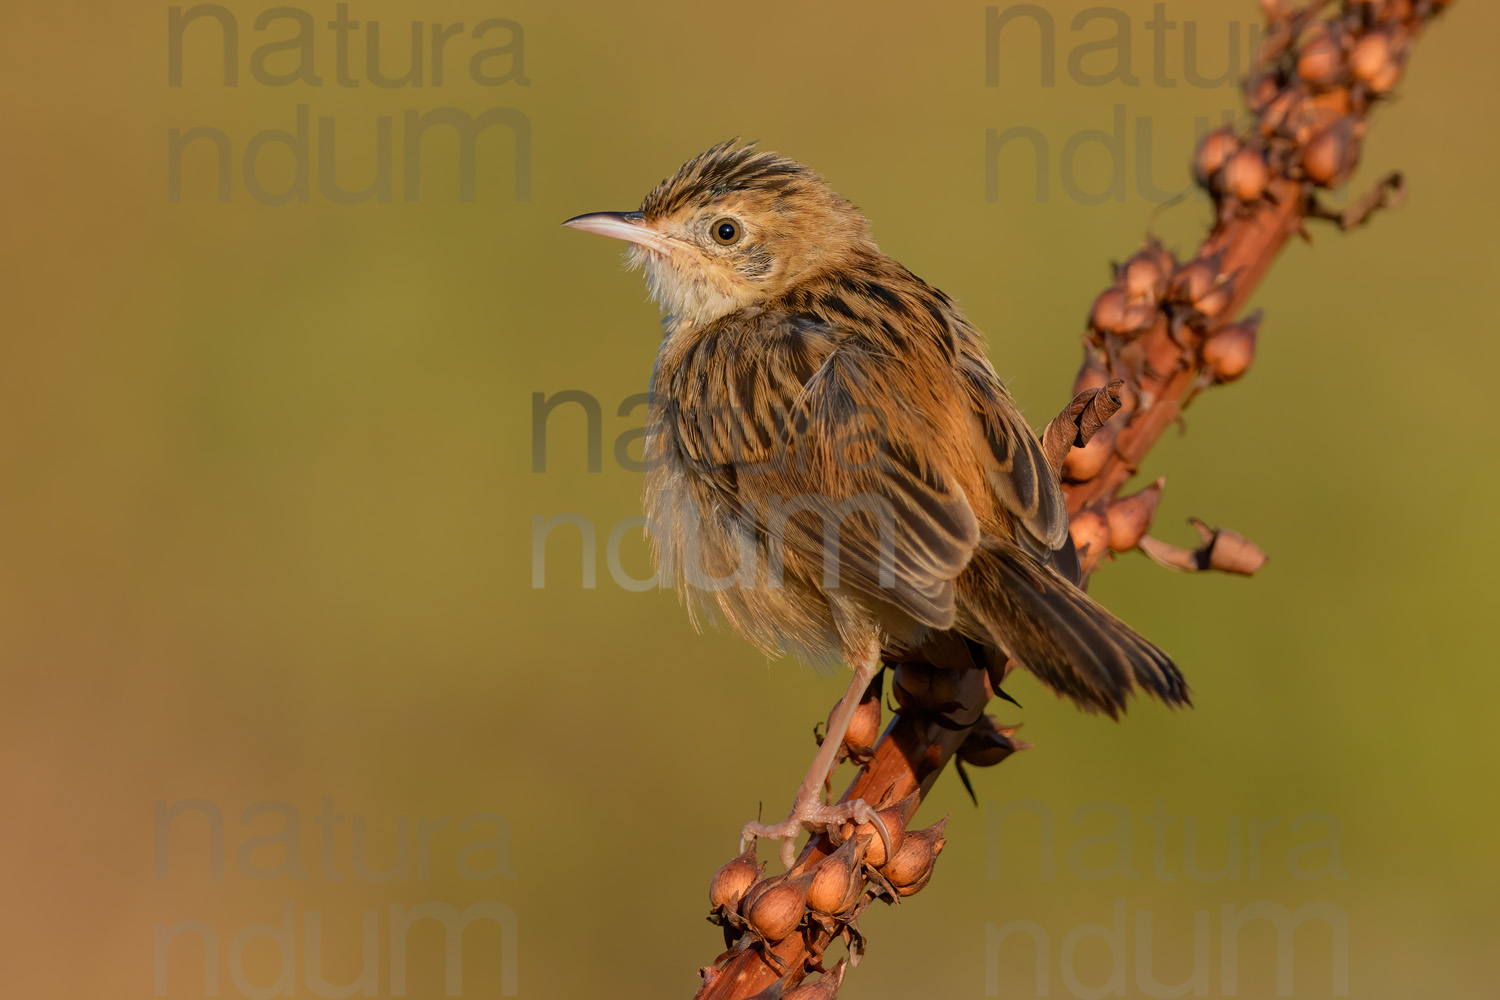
x=630, y=226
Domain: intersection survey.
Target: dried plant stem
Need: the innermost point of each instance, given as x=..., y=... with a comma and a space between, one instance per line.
x=1250, y=244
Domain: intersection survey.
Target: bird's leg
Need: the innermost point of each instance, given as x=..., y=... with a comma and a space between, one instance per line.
x=808, y=808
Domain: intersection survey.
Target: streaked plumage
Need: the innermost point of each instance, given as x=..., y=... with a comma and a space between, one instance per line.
x=799, y=365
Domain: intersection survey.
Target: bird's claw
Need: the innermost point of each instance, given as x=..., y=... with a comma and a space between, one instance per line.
x=816, y=817
x=864, y=814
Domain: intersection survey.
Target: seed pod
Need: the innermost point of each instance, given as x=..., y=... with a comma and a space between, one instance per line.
x=1159, y=253
x=1143, y=277
x=826, y=987
x=864, y=726
x=1335, y=102
x=1194, y=279
x=1386, y=80
x=1319, y=61
x=988, y=743
x=894, y=817
x=1217, y=298
x=1163, y=355
x=731, y=882
x=1130, y=517
x=776, y=912
x=836, y=878
x=1108, y=315
x=912, y=864
x=1230, y=350
x=1371, y=56
x=1231, y=552
x=1278, y=111
x=1247, y=175
x=1082, y=464
x=1139, y=317
x=915, y=887
x=1332, y=153
x=924, y=686
x=1090, y=533
x=1278, y=40
x=747, y=901
x=1307, y=120
x=1223, y=550
x=1261, y=91
x=1214, y=151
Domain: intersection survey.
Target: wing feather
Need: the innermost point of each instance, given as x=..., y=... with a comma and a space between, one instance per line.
x=830, y=478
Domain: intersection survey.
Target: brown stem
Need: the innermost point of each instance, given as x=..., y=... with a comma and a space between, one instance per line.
x=909, y=757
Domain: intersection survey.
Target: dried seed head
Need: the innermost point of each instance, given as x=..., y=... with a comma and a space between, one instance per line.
x=1332, y=153
x=1130, y=517
x=912, y=864
x=895, y=817
x=1143, y=277
x=1158, y=252
x=747, y=901
x=988, y=743
x=1261, y=90
x=837, y=878
x=1108, y=315
x=826, y=987
x=1230, y=350
x=1231, y=552
x=864, y=726
x=1278, y=111
x=1372, y=56
x=1278, y=40
x=1194, y=279
x=1319, y=61
x=1083, y=464
x=1163, y=355
x=924, y=686
x=1335, y=102
x=1223, y=550
x=776, y=912
x=731, y=882
x=1247, y=175
x=1307, y=119
x=1139, y=317
x=1387, y=80
x=1214, y=151
x=1217, y=298
x=915, y=887
x=1090, y=533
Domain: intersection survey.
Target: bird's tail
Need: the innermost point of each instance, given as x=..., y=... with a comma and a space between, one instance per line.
x=1059, y=633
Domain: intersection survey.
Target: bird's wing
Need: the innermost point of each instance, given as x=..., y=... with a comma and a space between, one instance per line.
x=826, y=441
x=1013, y=460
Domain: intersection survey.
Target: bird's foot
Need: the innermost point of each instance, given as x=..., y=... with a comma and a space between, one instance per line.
x=811, y=814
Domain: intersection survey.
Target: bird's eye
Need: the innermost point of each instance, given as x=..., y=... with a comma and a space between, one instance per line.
x=726, y=232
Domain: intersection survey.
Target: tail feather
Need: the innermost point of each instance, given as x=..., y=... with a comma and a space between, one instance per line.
x=1059, y=633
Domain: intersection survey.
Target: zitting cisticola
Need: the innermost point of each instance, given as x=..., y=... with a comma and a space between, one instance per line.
x=833, y=462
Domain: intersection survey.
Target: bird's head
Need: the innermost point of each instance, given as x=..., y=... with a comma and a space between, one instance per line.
x=732, y=228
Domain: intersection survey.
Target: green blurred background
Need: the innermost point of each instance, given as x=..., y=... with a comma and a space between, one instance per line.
x=266, y=528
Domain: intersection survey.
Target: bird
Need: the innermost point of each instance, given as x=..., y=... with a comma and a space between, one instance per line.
x=833, y=464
